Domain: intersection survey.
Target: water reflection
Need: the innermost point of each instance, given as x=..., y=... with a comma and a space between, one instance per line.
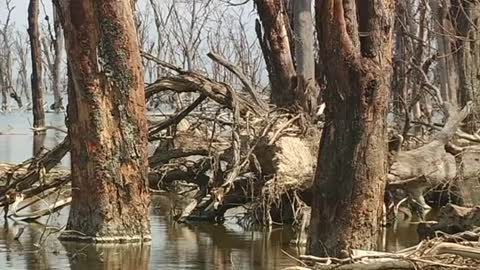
x=108, y=256
x=174, y=246
x=17, y=142
x=38, y=143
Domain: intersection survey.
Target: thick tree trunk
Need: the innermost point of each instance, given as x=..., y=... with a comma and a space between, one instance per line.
x=276, y=49
x=58, y=48
x=467, y=46
x=351, y=172
x=107, y=124
x=36, y=52
x=307, y=87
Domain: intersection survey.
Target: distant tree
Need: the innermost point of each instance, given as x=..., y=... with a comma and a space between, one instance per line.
x=107, y=123
x=465, y=16
x=36, y=77
x=356, y=49
x=289, y=55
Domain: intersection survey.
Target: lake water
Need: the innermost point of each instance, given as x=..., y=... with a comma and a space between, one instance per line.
x=174, y=246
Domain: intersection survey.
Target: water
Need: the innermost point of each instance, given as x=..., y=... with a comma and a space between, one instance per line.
x=174, y=246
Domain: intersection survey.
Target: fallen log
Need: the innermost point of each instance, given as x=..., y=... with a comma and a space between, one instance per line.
x=430, y=165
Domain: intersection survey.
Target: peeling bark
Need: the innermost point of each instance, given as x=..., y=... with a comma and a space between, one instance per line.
x=351, y=171
x=107, y=123
x=277, y=51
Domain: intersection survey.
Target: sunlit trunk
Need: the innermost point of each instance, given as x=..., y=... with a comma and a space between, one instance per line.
x=107, y=123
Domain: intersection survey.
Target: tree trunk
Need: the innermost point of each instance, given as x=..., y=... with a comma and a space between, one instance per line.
x=307, y=88
x=447, y=70
x=58, y=48
x=399, y=79
x=3, y=89
x=36, y=52
x=466, y=15
x=276, y=49
x=351, y=173
x=107, y=123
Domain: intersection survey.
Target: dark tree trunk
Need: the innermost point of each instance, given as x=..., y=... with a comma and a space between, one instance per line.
x=277, y=52
x=446, y=68
x=107, y=123
x=466, y=15
x=351, y=173
x=36, y=51
x=58, y=48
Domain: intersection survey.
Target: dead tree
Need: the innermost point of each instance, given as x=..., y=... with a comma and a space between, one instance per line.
x=289, y=55
x=107, y=123
x=7, y=59
x=307, y=88
x=272, y=32
x=22, y=51
x=57, y=71
x=36, y=52
x=351, y=173
x=465, y=16
x=447, y=69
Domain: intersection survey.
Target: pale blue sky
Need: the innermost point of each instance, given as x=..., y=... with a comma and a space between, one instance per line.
x=19, y=15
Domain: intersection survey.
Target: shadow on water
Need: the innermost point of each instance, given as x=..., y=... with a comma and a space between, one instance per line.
x=174, y=246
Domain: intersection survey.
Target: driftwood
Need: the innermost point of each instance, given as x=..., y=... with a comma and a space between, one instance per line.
x=251, y=155
x=429, y=165
x=437, y=253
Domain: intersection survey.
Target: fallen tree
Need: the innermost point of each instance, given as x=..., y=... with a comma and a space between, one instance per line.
x=252, y=154
x=429, y=165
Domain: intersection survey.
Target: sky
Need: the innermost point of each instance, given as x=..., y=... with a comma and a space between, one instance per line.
x=19, y=15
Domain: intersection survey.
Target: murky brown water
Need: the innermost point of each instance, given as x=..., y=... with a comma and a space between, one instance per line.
x=174, y=246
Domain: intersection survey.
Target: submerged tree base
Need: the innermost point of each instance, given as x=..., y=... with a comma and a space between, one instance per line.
x=74, y=236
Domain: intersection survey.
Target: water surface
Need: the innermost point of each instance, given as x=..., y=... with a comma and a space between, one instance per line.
x=174, y=246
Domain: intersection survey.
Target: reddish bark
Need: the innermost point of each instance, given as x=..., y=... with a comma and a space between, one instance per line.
x=351, y=174
x=107, y=124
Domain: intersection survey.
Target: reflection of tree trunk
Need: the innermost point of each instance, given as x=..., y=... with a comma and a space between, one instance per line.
x=109, y=257
x=38, y=143
x=467, y=25
x=276, y=49
x=351, y=172
x=58, y=48
x=107, y=124
x=36, y=51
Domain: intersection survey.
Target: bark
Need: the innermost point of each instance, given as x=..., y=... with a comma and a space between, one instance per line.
x=107, y=123
x=276, y=49
x=36, y=52
x=3, y=89
x=58, y=48
x=351, y=173
x=447, y=69
x=399, y=79
x=307, y=88
x=466, y=15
